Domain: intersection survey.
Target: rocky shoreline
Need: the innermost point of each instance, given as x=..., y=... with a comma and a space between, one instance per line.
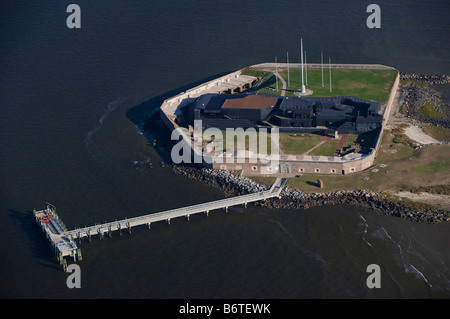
x=232, y=185
x=426, y=78
x=416, y=97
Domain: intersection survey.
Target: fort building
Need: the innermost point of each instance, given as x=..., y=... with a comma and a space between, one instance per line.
x=226, y=103
x=344, y=114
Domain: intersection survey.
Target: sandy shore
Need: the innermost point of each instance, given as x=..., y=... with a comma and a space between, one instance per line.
x=417, y=134
x=442, y=201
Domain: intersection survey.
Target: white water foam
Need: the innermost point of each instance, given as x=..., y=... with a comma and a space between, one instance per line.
x=364, y=231
x=406, y=265
x=110, y=108
x=313, y=255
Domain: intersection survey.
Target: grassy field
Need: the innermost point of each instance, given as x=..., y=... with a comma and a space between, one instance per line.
x=370, y=85
x=298, y=143
x=242, y=140
x=326, y=149
x=258, y=74
x=430, y=111
x=440, y=133
x=290, y=143
x=406, y=168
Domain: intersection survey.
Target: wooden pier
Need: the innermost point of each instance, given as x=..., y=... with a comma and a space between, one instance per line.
x=63, y=240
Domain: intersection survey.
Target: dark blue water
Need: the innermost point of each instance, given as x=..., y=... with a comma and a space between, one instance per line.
x=69, y=102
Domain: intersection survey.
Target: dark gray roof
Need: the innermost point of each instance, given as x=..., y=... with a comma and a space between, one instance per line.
x=209, y=101
x=291, y=103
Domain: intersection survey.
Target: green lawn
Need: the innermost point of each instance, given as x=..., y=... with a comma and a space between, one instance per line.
x=370, y=85
x=298, y=143
x=242, y=140
x=258, y=74
x=326, y=149
x=290, y=143
x=430, y=111
x=440, y=133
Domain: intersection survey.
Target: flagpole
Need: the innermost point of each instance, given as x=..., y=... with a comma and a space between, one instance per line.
x=276, y=72
x=329, y=60
x=306, y=69
x=301, y=54
x=321, y=56
x=287, y=57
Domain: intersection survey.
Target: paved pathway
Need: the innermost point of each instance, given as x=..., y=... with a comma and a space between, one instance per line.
x=307, y=152
x=418, y=135
x=283, y=90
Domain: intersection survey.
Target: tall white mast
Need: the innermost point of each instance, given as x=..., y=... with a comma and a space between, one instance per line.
x=329, y=60
x=321, y=56
x=276, y=72
x=306, y=69
x=301, y=53
x=287, y=58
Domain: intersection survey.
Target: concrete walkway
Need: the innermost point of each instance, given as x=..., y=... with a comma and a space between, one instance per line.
x=307, y=152
x=417, y=134
x=283, y=90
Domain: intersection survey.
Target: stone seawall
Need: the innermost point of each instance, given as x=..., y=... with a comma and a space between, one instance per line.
x=232, y=185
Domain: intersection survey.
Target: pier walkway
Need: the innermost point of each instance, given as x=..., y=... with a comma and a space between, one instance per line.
x=127, y=224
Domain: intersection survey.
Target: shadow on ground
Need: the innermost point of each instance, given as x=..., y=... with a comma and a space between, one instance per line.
x=146, y=117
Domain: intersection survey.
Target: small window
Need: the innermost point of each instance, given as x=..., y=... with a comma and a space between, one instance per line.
x=301, y=170
x=317, y=170
x=333, y=170
x=254, y=168
x=352, y=169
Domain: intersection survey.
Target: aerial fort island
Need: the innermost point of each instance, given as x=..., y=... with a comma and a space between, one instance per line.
x=365, y=136
x=355, y=134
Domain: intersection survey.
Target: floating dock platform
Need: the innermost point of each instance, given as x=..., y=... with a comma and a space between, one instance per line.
x=55, y=231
